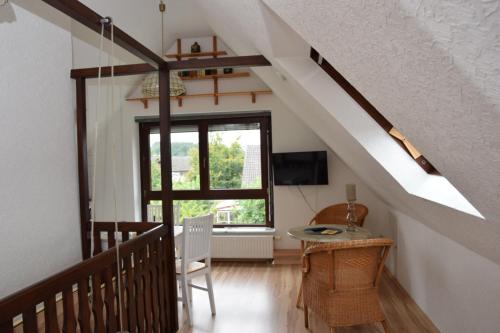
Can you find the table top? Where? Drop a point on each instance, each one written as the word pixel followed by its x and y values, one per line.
pixel 360 233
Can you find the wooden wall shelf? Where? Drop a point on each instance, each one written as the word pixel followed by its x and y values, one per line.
pixel 196 55
pixel 216 76
pixel 215 96
pixel 179 55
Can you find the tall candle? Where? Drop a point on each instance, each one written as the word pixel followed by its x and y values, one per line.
pixel 350 191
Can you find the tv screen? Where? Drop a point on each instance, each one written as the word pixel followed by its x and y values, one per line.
pixel 304 168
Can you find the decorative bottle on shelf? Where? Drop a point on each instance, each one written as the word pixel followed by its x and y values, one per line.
pixel 195 48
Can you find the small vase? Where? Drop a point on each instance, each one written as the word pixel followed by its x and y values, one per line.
pixel 195 48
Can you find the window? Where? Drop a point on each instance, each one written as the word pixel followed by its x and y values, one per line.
pixel 373 112
pixel 219 166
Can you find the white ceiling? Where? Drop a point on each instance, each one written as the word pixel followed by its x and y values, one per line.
pixel 142 19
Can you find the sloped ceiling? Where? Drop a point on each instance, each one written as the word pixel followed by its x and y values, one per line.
pixel 142 19
pixel 431 67
pixel 436 106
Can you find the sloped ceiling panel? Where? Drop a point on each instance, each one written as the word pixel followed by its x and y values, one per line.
pixel 431 67
pixel 258 32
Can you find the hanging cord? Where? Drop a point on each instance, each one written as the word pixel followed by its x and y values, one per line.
pixel 105 21
pixel 305 200
pixel 113 160
pixel 96 137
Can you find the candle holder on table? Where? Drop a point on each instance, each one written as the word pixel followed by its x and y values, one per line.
pixel 352 219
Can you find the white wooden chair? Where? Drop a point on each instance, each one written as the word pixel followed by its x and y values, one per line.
pixel 196 240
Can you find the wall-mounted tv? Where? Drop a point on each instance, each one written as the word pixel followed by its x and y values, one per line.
pixel 302 168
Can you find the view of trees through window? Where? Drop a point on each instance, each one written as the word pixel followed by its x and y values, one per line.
pixel 234 163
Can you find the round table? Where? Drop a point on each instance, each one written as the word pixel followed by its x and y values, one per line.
pixel 360 233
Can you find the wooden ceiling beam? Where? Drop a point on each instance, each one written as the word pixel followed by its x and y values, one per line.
pixel 136 69
pixel 241 61
pixel 86 16
pixel 120 70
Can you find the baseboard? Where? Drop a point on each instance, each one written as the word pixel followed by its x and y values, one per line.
pixel 287 256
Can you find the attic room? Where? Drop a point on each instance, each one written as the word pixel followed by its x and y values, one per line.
pixel 249 166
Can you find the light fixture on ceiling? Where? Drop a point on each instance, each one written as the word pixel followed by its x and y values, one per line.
pixel 151 84
pixel 162 8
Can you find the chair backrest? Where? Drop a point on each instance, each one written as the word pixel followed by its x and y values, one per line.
pixel 196 237
pixel 347 265
pixel 337 214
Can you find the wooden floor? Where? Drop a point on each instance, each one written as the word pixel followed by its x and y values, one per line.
pixel 260 298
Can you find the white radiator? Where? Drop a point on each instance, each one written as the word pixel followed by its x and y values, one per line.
pixel 242 247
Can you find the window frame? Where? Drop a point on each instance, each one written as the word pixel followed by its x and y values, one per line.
pixel 205 193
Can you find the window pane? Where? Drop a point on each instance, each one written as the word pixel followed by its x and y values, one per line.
pixel 244 211
pixel 234 156
pixel 185 158
pixel 154 153
pixel 155 212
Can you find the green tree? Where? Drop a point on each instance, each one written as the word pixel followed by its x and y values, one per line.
pixel 226 163
pixel 181 148
pixel 251 211
pixel 155 173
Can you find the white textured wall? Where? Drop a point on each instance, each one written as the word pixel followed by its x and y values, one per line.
pixel 39 214
pixel 456 287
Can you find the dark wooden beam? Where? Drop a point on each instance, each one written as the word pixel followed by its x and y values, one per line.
pixel 166 196
pixel 136 69
pixel 121 70
pixel 366 105
pixel 83 180
pixel 86 16
pixel 241 61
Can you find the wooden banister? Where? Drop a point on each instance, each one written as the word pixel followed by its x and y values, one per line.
pixel 148 251
pixel 126 226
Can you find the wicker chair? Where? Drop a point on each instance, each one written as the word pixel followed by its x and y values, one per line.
pixel 334 214
pixel 337 214
pixel 341 281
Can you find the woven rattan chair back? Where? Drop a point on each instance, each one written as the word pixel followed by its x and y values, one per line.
pixel 337 214
pixel 341 281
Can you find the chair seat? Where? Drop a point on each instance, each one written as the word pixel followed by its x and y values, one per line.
pixel 192 267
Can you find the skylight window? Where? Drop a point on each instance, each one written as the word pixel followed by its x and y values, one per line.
pixel 373 112
pixel 414 173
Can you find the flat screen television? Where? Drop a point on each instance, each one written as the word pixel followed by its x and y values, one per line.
pixel 303 168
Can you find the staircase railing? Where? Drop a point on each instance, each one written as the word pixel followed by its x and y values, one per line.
pixel 104 233
pixel 84 297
